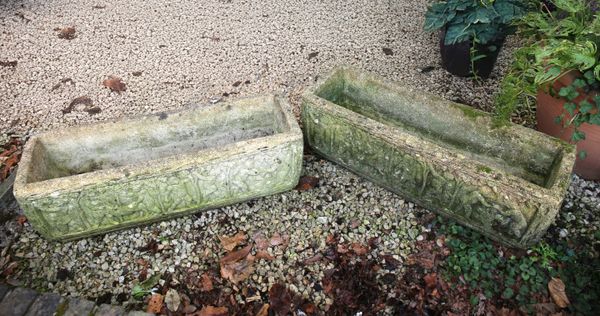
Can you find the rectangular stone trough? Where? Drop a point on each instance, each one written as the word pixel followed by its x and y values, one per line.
pixel 505 182
pixel 93 179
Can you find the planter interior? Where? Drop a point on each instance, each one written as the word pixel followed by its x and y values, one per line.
pixel 535 163
pixel 118 145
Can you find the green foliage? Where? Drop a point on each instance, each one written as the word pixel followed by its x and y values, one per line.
pixel 484 20
pixel 556 43
pixel 484 269
pixel 142 289
pixel 519 280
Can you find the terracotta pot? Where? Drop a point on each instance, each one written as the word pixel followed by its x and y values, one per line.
pixel 549 107
pixel 456 58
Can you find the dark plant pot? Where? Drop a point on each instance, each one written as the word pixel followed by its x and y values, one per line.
pixel 549 107
pixel 456 58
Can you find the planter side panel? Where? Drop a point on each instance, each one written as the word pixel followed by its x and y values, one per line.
pixel 131 201
pixel 426 182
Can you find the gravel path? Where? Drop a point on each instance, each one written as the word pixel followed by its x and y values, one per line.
pixel 170 53
pixel 342 204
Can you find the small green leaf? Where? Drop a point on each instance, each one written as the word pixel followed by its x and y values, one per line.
pixel 474 300
pixel 569 93
pixel 589 76
pixel 585 106
pixel 582 154
pixel 579 83
pixel 595 119
pixel 508 293
pixel 570 107
pixel 577 136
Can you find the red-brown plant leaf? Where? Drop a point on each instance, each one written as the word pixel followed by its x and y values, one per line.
pixel 556 287
pixel 280 299
pixel 114 84
pixel 229 243
pixel 155 304
pixel 306 183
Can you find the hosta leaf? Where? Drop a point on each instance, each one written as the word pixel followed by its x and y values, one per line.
pixel 481 15
pixel 456 34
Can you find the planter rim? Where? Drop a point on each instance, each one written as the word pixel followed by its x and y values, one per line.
pixel 397 136
pixel 291 132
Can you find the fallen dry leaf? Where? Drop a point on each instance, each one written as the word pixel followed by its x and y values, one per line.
pixel 206 284
pixel 306 183
pixel 280 299
pixel 155 304
pixel 314 259
pixel 173 300
pixel 84 100
pixel 21 219
pixel 264 310
pixel 262 243
pixel 276 240
pixel 67 33
pixel 114 84
pixel 430 280
pixel 359 249
pixel 262 254
pixel 236 255
pixel 229 243
pixel 8 164
pixel 213 311
pixel 237 271
pixel 557 292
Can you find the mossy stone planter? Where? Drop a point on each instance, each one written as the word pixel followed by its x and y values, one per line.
pixel 506 182
pixel 93 179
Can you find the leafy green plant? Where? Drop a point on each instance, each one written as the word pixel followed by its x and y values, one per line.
pixel 146 287
pixel 464 20
pixel 556 43
pixel 485 269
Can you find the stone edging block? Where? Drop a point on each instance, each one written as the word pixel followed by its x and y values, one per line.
pixel 93 179
pixel 506 182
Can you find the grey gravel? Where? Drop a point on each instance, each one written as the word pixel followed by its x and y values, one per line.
pixel 355 209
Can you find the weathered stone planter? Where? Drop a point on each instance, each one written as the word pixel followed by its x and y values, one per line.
pixel 506 182
pixel 94 179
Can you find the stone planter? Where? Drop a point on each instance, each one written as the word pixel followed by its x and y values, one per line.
pixel 94 179
pixel 506 182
